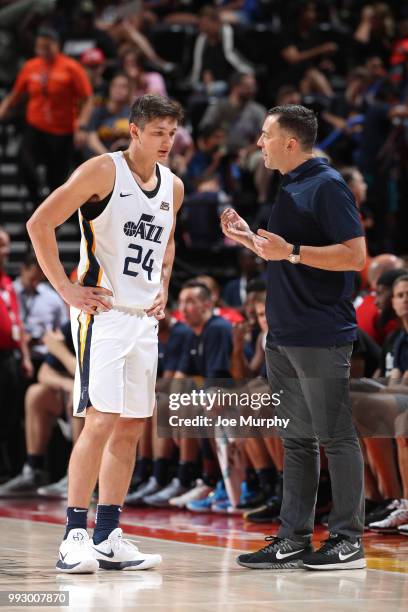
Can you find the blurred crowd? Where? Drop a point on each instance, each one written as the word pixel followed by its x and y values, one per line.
pixel 78 67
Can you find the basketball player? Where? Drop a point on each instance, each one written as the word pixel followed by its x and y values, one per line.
pixel 127 204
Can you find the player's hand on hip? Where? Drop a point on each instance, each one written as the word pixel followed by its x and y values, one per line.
pixel 157 309
pixel 270 246
pixel 88 299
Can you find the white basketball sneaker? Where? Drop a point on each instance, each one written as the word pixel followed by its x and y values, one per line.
pixel 76 555
pixel 116 553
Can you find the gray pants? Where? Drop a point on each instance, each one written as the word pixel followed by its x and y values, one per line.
pixel 315 386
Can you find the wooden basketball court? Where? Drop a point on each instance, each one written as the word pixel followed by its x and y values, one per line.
pixel 198 572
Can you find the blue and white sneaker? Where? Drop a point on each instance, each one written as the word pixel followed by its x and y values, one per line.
pixel 76 555
pixel 116 553
pixel 206 504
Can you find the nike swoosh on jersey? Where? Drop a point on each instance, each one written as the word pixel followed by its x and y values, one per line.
pixel 124 195
pixel 280 555
pixel 79 510
pixel 109 555
pixel 344 557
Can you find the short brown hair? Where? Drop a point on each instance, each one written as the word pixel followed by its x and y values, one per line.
pixel 299 121
pixel 152 106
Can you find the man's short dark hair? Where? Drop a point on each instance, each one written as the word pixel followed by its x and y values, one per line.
pixel 205 293
pixel 152 106
pixel 299 121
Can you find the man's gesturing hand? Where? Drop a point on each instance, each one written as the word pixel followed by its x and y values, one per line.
pixel 234 226
pixel 87 299
pixel 271 246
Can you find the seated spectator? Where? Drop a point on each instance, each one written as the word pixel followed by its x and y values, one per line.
pixel 219 307
pixel 386 412
pixel 214 55
pixel 109 124
pixel 209 159
pixel 12 339
pixel 45 401
pixel 128 23
pixel 141 81
pixel 376 159
pixel 368 315
pixel 238 115
pixel 250 267
pixel 375 32
pixel 206 354
pixel 305 53
pixel 41 308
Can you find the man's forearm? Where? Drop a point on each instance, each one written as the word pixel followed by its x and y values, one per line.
pixel 336 258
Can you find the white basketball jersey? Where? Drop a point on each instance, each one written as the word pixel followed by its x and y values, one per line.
pixel 123 248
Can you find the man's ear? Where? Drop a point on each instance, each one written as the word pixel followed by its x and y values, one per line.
pixel 292 144
pixel 135 131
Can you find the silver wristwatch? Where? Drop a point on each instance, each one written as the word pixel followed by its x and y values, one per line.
pixel 294 257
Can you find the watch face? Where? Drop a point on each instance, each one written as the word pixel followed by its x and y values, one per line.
pixel 294 258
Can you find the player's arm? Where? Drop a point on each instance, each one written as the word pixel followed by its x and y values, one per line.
pixel 158 306
pixel 92 180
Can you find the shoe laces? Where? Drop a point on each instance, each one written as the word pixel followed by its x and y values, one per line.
pixel 121 541
pixel 275 542
pixel 332 544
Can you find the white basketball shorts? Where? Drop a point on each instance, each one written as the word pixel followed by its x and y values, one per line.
pixel 116 362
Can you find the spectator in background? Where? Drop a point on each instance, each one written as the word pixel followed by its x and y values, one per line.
pixel 45 401
pixel 377 160
pixel 83 34
pixel 141 81
pixel 41 308
pixel 366 310
pixel 214 54
pixel 375 32
pixel 235 291
pixel 238 115
pixel 12 339
pixel 94 63
pixel 305 53
pixel 56 86
pixel 109 124
pixel 209 159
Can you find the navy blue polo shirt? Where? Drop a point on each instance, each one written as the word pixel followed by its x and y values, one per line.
pixel 401 352
pixel 306 306
pixel 209 353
